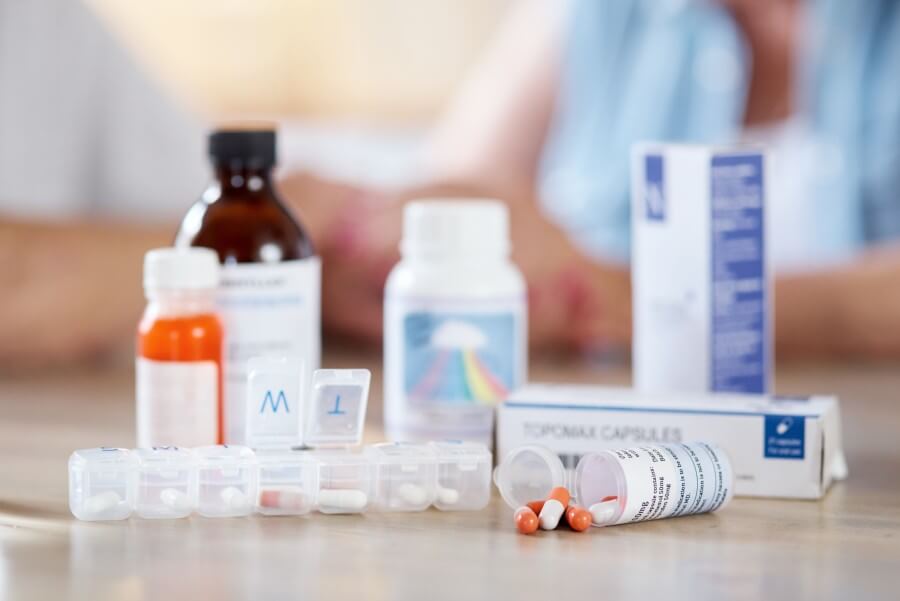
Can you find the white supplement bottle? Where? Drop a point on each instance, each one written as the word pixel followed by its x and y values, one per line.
pixel 454 323
pixel 648 483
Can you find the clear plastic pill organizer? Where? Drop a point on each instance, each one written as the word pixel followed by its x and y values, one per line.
pixel 333 474
pixel 235 481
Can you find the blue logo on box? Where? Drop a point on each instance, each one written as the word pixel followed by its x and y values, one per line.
pixel 654 192
pixel 785 436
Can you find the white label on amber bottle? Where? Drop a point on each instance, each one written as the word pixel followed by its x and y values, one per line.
pixel 267 310
pixel 177 403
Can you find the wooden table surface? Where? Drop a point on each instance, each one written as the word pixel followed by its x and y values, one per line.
pixel 845 546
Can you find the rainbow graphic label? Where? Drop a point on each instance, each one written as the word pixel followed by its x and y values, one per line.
pixel 459 358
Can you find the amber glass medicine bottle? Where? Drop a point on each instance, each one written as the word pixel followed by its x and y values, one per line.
pixel 179 351
pixel 270 278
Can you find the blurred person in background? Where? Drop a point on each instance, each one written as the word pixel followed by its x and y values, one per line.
pixel 547 119
pixel 544 123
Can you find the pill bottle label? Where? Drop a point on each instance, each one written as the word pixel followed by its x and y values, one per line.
pixel 266 310
pixel 446 357
pixel 177 403
pixel 672 480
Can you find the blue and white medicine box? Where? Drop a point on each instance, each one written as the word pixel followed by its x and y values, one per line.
pixel 779 447
pixel 702 305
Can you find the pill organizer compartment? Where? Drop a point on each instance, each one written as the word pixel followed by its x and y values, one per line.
pixel 463 476
pixel 345 481
pixel 288 482
pixel 405 475
pixel 226 481
pixel 101 483
pixel 165 482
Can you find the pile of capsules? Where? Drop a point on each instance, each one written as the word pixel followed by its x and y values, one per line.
pixel 548 513
pixel 231 481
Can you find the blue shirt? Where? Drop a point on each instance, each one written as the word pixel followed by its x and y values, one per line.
pixel 679 70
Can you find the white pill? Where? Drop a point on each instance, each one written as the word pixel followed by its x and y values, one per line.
pixel 174 498
pixel 602 512
pixel 447 496
pixel 342 499
pixel 412 494
pixel 101 503
pixel 551 513
pixel 234 498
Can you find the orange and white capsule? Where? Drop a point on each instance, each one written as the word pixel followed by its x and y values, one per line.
pixel 526 520
pixel 554 508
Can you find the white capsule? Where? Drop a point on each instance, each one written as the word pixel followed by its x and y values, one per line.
pixel 234 498
pixel 412 494
pixel 342 500
pixel 102 502
pixel 174 498
pixel 602 512
pixel 447 496
pixel 551 513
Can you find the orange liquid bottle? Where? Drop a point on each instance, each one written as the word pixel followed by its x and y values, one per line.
pixel 178 373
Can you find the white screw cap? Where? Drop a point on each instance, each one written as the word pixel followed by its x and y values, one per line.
pixel 181 269
pixel 434 228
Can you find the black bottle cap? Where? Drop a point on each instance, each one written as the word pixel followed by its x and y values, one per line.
pixel 248 147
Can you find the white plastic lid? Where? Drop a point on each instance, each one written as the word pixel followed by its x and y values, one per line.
pixel 448 227
pixel 528 473
pixel 337 407
pixel 274 411
pixel 190 268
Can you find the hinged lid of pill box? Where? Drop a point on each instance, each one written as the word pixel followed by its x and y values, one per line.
pixel 460 451
pixel 102 458
pixel 276 387
pixel 336 411
pixel 224 454
pixel 165 457
pixel 285 457
pixel 402 453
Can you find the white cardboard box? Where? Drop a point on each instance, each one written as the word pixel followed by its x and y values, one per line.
pixel 702 306
pixel 779 447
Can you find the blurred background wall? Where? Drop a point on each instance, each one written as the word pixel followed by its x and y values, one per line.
pixel 385 61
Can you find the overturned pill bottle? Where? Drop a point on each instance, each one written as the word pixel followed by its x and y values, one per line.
pixel 455 322
pixel 621 486
pixel 649 483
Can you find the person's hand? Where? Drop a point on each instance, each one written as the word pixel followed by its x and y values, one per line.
pixel 335 215
pixel 573 301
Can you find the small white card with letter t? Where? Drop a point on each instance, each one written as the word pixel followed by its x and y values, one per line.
pixel 276 388
pixel 337 407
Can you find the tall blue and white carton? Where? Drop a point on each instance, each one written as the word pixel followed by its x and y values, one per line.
pixel 702 293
